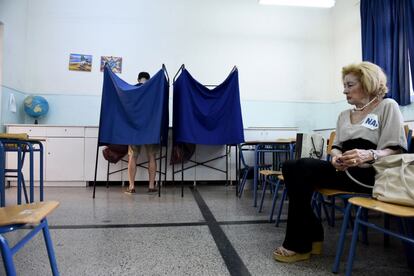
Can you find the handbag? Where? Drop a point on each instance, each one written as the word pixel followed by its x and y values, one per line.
pixel 182 153
pixel 310 145
pixel 394 181
pixel 114 153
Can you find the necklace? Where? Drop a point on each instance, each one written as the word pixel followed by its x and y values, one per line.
pixel 362 108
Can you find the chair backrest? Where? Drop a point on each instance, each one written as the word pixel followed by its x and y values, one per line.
pixel 330 143
pixel 409 135
pixel 406 129
pixel 243 161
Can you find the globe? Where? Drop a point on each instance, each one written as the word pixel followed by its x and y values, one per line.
pixel 35 106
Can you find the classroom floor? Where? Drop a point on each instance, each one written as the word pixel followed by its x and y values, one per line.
pixel 209 231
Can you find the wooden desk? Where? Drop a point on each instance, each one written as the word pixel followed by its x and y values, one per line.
pixel 262 147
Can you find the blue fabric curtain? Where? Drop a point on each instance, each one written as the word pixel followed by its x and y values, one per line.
pixel 133 115
pixel 409 15
pixel 204 116
pixel 386 28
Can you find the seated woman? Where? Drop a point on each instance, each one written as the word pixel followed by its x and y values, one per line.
pixel 371 130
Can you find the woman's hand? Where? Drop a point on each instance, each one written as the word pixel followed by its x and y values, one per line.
pixel 355 157
pixel 337 163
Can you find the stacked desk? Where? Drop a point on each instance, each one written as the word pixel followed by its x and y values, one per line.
pixel 21 144
pixel 278 146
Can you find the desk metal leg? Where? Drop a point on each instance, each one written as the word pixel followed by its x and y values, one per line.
pixel 227 165
pixel 96 170
pixel 256 160
pixel 182 171
pixel 19 176
pixel 107 175
pixel 2 178
pixel 26 198
pixel 173 173
pixel 237 170
pixel 23 182
pixel 31 174
pixel 41 183
pixel 165 165
pixel 160 171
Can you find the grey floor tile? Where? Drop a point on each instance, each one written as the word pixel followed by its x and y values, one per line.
pixel 227 207
pixel 113 206
pixel 255 243
pixel 140 251
pixel 119 234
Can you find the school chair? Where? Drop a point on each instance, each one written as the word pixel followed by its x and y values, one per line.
pixel 364 216
pixel 247 170
pixel 16 217
pixel 281 202
pixel 363 203
pixel 275 179
pixel 270 177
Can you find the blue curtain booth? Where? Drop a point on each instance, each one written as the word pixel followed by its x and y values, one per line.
pixel 387 35
pixel 204 116
pixel 409 14
pixel 134 115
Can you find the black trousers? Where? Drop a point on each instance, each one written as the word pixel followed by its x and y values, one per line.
pixel 301 178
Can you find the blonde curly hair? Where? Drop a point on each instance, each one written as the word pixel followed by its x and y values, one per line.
pixel 371 77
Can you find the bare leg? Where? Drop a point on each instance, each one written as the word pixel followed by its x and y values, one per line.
pixel 152 169
pixel 132 170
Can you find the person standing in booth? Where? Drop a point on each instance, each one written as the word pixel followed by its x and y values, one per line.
pixel 134 151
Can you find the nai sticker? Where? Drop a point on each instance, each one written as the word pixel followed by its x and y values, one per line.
pixel 371 121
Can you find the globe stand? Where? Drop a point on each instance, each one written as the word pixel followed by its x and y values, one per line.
pixel 36 122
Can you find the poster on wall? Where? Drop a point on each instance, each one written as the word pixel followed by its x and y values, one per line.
pixel 80 62
pixel 115 63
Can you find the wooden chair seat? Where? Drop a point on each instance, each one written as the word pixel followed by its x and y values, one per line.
pixel 384 207
pixel 333 192
pixel 270 172
pixel 14 136
pixel 13 218
pixel 286 140
pixel 26 214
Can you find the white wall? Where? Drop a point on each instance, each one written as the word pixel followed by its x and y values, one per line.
pixel 346 37
pixel 289 58
pixel 277 49
pixel 1 64
pixel 13 16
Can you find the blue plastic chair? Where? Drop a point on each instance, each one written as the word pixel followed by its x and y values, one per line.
pixel 15 217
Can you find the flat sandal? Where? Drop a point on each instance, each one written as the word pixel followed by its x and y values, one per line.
pixel 130 191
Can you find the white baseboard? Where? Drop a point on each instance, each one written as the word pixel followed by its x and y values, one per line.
pixel 55 183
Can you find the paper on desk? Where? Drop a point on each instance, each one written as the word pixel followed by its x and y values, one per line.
pixel 12 104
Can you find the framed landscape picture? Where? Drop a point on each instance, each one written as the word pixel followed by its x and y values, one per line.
pixel 115 63
pixel 80 62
